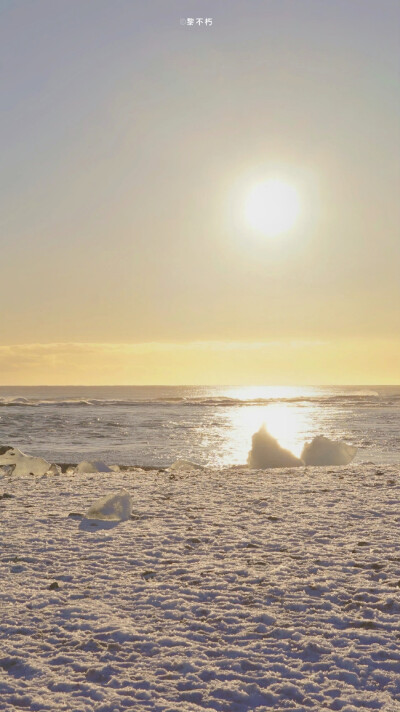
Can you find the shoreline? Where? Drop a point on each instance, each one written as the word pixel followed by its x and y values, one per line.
pixel 122 468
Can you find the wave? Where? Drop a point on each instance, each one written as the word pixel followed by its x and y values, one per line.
pixel 361 398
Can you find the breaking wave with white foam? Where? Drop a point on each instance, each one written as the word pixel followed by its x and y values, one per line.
pixel 371 398
pixel 155 426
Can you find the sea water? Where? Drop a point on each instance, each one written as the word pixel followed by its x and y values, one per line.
pixel 156 425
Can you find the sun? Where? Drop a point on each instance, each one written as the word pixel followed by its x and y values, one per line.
pixel 272 207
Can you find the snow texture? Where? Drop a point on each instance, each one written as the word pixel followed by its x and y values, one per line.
pixel 322 451
pixel 21 464
pixel 266 452
pixel 231 590
pixel 113 507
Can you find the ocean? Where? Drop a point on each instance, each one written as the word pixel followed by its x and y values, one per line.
pixel 156 425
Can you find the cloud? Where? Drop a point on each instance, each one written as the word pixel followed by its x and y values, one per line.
pixel 141 363
pixel 207 362
pixel 266 452
pixel 322 451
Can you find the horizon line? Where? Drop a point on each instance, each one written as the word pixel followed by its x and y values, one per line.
pixel 198 385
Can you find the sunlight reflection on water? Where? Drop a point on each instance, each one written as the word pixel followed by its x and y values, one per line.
pixel 289 424
pixel 153 426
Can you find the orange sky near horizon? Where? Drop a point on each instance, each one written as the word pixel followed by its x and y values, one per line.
pixel 204 363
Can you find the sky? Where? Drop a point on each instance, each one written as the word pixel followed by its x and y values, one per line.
pixel 129 142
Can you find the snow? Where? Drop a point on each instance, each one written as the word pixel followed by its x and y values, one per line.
pixel 266 452
pixel 228 590
pixel 322 451
pixel 113 507
pixel 22 464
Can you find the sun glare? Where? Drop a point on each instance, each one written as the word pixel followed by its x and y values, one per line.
pixel 289 424
pixel 272 207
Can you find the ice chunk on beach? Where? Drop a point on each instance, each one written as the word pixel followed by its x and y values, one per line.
pixel 322 451
pixel 113 508
pixel 185 465
pixel 54 470
pixel 267 453
pixel 23 464
pixel 87 467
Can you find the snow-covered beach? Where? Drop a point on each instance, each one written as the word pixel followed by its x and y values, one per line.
pixel 228 590
pixel 200 356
